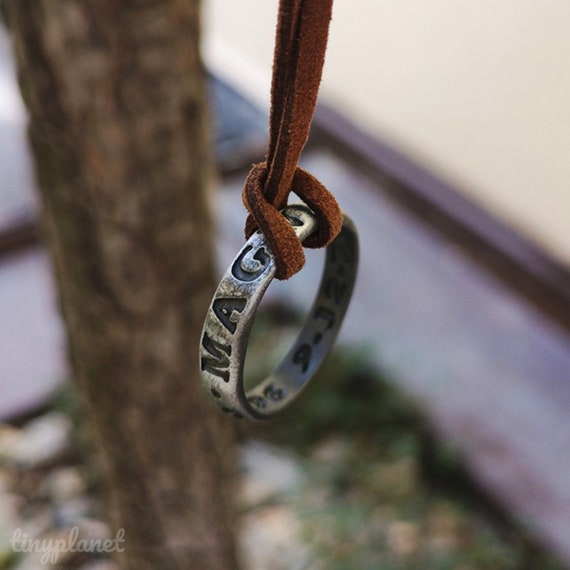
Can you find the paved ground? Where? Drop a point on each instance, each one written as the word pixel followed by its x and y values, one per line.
pixel 16 184
pixel 32 359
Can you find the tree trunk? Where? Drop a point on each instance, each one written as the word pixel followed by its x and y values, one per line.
pixel 116 96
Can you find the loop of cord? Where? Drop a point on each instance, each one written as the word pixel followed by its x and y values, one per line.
pixel 302 32
pixel 285 245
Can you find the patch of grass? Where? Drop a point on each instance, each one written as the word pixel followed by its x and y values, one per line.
pixel 383 492
pixel 347 397
pixel 8 559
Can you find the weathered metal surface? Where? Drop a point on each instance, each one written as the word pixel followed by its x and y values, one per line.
pixel 225 336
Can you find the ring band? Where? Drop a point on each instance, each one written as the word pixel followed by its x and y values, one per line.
pixel 229 319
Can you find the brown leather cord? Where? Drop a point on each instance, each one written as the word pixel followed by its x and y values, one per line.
pixel 300 46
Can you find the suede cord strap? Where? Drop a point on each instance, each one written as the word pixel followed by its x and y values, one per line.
pixel 300 45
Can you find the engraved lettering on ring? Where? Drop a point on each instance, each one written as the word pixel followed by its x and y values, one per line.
pixel 218 363
pixel 224 308
pixel 302 356
pixel 248 267
pixel 258 402
pixel 326 315
pixel 233 412
pixel 274 393
pixel 295 221
pixel 341 251
pixel 335 290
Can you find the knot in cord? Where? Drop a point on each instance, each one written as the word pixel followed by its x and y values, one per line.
pixel 300 45
pixel 285 245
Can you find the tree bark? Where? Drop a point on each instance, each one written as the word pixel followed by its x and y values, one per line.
pixel 118 124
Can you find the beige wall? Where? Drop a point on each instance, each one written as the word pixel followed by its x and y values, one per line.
pixel 477 91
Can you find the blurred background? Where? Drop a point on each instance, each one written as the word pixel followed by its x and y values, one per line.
pixel 477 92
pixel 437 437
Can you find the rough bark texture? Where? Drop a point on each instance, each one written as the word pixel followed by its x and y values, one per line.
pixel 116 97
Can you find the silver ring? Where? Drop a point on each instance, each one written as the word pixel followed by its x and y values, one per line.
pixel 229 319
